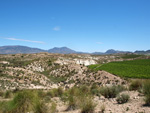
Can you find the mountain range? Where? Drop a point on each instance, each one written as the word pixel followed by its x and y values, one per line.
pixel 62 50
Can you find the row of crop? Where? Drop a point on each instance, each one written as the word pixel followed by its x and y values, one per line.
pixel 131 69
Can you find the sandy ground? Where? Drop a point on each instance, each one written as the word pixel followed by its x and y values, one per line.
pixel 134 105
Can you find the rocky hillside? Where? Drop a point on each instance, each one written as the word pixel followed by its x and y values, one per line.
pixel 45 70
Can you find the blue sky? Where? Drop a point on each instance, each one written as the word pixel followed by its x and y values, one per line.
pixel 82 25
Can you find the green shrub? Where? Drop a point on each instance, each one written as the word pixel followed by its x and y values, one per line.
pixel 123 98
pixel 56 92
pixel 72 102
pixel 95 90
pixel 147 100
pixel 87 105
pixel 94 86
pixel 65 96
pixel 146 91
pixel 135 85
pixel 74 91
pixel 1 93
pixel 72 99
pixel 84 89
pixel 53 107
pixel 146 87
pixel 120 88
pixel 23 102
pixel 2 106
pixel 41 93
pixel 80 97
pixel 60 91
pixel 47 99
pixel 110 92
pixel 8 94
pixel 51 93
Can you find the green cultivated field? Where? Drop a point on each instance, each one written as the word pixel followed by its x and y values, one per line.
pixel 129 69
pixel 127 56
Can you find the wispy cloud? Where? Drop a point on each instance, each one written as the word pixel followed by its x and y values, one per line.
pixel 25 40
pixel 99 42
pixel 56 28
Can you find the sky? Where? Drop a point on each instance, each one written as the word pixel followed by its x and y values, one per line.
pixel 82 25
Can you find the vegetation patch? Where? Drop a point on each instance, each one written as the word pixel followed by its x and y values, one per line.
pixel 80 97
pixel 123 98
pixel 135 85
pixel 130 69
pixel 23 102
pixel 94 66
pixel 87 105
pixel 146 91
pixel 128 56
pixel 8 94
pixel 110 92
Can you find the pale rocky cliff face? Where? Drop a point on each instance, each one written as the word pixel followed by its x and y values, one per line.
pixel 85 62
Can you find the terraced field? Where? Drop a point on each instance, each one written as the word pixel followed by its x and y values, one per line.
pixel 130 69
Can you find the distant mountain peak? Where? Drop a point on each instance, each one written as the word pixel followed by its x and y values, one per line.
pixel 111 51
pixel 63 50
pixel 14 49
pixel 142 52
pixel 19 49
